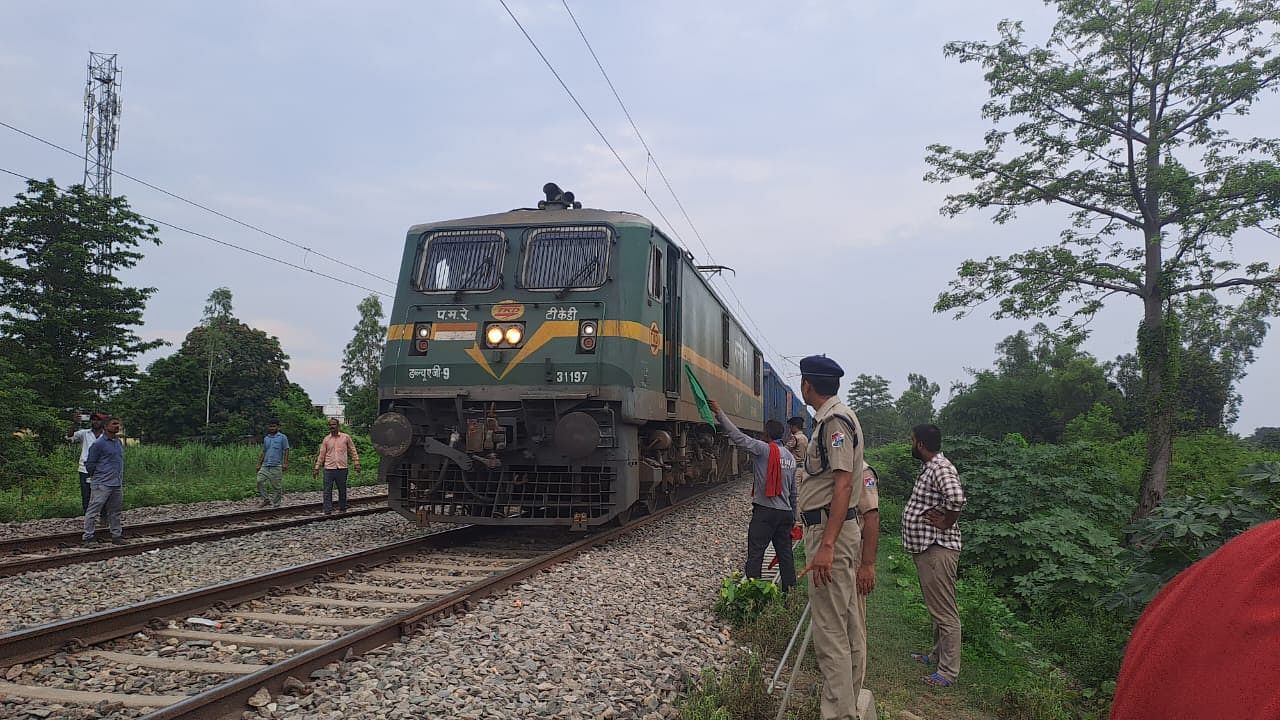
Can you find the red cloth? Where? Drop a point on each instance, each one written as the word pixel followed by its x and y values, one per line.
pixel 1208 646
pixel 773 475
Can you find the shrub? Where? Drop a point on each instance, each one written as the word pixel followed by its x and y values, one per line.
pixel 742 600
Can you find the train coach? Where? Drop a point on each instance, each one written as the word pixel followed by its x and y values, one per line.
pixel 781 403
pixel 535 370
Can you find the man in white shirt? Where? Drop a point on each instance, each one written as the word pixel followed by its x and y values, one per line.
pixel 86 438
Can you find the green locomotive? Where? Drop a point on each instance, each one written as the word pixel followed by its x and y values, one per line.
pixel 534 370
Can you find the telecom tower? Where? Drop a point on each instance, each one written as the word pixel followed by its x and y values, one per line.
pixel 101 121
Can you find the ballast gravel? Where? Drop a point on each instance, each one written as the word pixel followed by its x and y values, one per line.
pixel 48 595
pixel 177 511
pixel 616 633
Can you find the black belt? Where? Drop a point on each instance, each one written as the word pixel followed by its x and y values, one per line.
pixel 814 517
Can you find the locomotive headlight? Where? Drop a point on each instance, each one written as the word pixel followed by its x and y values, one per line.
pixel 514 335
pixel 423 332
pixel 421 339
pixel 587 332
pixel 493 335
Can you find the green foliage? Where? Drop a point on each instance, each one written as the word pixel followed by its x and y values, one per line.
pixel 1266 438
pixel 1118 117
pixel 66 319
pixel 299 419
pixel 1182 530
pixel 743 599
pixel 168 403
pixel 736 694
pixel 1085 641
pixel 897 470
pixel 1041 383
pixel 361 363
pixel 161 475
pixel 28 431
pixel 1097 425
pixel 915 405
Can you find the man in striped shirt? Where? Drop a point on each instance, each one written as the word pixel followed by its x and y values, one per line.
pixel 931 535
pixel 333 456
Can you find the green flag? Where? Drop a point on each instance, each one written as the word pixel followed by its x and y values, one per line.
pixel 700 396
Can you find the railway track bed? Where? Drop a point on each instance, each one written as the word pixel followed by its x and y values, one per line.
pixel 41 552
pixel 276 628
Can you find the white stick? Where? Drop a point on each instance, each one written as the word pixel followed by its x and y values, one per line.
pixel 786 694
pixel 773 682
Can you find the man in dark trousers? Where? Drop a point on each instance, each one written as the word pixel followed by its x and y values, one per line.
pixel 773 497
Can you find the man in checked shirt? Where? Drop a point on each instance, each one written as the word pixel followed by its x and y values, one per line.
pixel 931 535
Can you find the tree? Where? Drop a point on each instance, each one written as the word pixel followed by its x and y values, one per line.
pixel 362 363
pixel 217 313
pixel 881 422
pixel 1267 438
pixel 28 430
pixel 915 405
pixel 167 402
pixel 1118 117
pixel 66 318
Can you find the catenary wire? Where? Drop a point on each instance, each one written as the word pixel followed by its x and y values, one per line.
pixel 206 208
pixel 225 243
pixel 658 166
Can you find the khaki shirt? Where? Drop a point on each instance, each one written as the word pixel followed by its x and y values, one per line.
pixel 844 452
pixel 798 444
pixel 870 499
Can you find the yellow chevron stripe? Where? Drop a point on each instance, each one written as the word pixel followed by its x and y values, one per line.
pixel 400 332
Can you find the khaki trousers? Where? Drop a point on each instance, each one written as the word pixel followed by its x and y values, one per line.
pixel 839 631
pixel 937 569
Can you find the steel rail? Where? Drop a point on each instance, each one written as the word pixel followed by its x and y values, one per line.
pixel 17 566
pixel 69 539
pixel 80 632
pixel 230 699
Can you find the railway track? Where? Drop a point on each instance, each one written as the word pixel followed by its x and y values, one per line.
pixel 275 628
pixel 41 552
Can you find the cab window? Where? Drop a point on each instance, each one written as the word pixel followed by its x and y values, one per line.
pixel 655 273
pixel 564 258
pixel 461 260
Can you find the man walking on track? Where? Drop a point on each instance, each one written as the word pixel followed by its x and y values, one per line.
pixel 773 498
pixel 332 457
pixel 272 465
pixel 931 535
pixel 105 465
pixel 829 499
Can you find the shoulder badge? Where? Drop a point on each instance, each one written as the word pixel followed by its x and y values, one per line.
pixel 870 482
pixel 837 439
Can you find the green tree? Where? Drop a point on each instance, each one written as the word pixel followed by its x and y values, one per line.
pixel 915 404
pixel 28 429
pixel 217 314
pixel 870 398
pixel 1267 438
pixel 66 318
pixel 361 364
pixel 1097 425
pixel 167 402
pixel 1119 117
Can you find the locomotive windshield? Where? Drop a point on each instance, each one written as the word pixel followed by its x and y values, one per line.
pixel 465 260
pixel 567 257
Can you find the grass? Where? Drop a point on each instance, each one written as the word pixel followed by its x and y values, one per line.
pixel 1000 677
pixel 161 475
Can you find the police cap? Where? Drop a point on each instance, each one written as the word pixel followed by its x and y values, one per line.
pixel 821 366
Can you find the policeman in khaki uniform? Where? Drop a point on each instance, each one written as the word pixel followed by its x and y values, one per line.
pixel 829 500
pixel 869 522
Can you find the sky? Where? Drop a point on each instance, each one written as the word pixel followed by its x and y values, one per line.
pixel 793 134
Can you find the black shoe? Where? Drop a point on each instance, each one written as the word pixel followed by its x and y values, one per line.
pixel 328 512
pixel 118 541
pixel 91 542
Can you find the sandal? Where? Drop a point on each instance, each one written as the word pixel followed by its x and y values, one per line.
pixel 922 658
pixel 937 681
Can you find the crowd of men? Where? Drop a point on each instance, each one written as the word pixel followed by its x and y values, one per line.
pixel 102 471
pixel 806 486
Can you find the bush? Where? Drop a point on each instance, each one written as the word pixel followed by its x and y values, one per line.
pixel 742 599
pixel 898 470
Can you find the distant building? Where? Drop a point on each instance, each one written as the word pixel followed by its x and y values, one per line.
pixel 333 409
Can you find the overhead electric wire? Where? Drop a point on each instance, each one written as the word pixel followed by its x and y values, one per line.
pixel 225 243
pixel 206 208
pixel 657 166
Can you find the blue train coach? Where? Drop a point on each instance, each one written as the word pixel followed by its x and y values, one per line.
pixel 781 402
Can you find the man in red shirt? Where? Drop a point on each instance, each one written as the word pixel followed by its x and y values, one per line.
pixel 333 456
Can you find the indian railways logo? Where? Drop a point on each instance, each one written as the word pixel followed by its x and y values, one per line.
pixel 655 338
pixel 508 310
